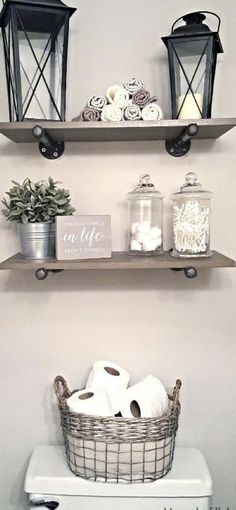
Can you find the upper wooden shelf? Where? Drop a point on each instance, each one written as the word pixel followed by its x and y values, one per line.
pixel 115 131
pixel 120 260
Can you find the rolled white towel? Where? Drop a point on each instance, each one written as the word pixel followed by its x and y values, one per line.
pixel 97 102
pixel 132 112
pixel 118 95
pixel 134 85
pixel 152 111
pixel 111 113
pixel 129 103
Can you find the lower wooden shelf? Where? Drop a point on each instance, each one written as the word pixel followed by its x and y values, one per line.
pixel 119 260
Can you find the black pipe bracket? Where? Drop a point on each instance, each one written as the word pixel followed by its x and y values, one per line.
pixel 190 272
pixel 180 146
pixel 42 273
pixel 47 146
pixel 51 505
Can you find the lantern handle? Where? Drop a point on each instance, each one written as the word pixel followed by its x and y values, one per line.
pixel 201 12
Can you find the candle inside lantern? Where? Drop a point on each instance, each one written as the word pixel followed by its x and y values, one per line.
pixel 189 109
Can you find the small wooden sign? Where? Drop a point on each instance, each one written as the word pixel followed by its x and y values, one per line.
pixel 83 237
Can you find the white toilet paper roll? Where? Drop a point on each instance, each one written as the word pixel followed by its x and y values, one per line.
pixel 89 401
pixel 159 391
pixel 111 377
pixel 146 399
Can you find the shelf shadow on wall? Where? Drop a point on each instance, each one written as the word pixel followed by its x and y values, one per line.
pixel 91 149
pixel 161 280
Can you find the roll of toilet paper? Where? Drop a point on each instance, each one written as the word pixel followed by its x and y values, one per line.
pixel 146 399
pixel 159 391
pixel 90 401
pixel 111 377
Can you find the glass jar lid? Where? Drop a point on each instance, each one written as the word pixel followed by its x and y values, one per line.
pixel 192 188
pixel 144 189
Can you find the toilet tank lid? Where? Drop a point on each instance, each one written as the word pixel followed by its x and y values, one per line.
pixel 48 474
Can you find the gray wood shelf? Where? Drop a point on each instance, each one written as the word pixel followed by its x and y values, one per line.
pixel 120 260
pixel 21 132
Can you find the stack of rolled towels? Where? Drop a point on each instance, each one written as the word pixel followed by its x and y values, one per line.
pixel 107 394
pixel 129 101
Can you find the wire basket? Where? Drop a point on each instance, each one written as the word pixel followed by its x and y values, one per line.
pixel 117 449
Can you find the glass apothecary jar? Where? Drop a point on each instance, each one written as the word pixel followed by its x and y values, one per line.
pixel 191 219
pixel 145 218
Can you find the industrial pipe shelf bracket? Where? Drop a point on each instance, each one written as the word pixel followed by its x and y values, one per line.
pixel 47 146
pixel 42 272
pixel 181 145
pixel 51 505
pixel 190 272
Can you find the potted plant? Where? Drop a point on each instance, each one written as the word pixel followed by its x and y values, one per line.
pixel 34 206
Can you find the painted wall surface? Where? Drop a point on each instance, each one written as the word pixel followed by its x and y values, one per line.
pixel 148 321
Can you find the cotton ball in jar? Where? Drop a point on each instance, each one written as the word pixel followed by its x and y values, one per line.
pixel 134 227
pixel 155 232
pixel 158 242
pixel 150 244
pixel 140 237
pixel 144 227
pixel 135 246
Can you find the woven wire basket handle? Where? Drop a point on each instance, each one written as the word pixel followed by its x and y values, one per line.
pixel 61 389
pixel 175 397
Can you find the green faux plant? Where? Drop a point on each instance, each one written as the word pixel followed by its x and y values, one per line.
pixel 36 202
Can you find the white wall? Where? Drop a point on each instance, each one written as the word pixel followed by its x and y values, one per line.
pixel 154 321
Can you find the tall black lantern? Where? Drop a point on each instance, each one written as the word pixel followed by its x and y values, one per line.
pixel 35 40
pixel 192 51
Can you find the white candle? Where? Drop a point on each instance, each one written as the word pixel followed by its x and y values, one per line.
pixel 189 109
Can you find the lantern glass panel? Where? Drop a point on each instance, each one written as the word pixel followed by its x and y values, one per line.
pixel 49 59
pixel 40 54
pixel 35 45
pixel 190 75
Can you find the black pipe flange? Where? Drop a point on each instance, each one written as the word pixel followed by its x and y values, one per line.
pixel 47 146
pixel 181 145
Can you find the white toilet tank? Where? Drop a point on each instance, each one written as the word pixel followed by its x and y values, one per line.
pixel 50 484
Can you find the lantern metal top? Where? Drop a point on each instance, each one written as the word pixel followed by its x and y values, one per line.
pixel 194 27
pixel 45 3
pixel 56 4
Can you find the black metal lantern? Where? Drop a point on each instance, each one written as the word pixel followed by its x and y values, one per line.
pixel 192 51
pixel 35 40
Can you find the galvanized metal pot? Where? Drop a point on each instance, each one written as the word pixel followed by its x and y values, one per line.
pixel 37 240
